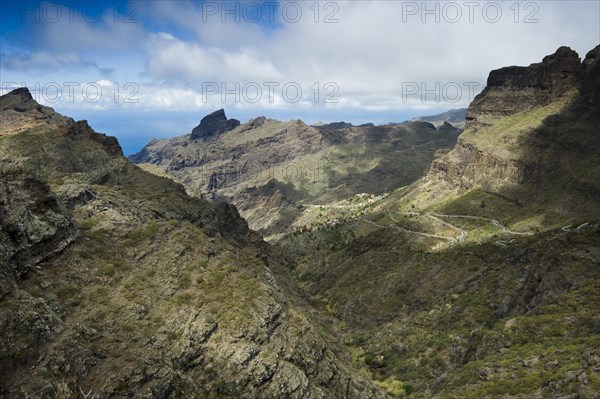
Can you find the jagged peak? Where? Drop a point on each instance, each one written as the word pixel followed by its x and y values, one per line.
pixel 561 53
pixel 22 92
pixel 298 122
pixel 259 121
pixel 214 124
pixel 253 124
pixel 20 111
pixel 447 126
pixel 218 114
pixel 17 98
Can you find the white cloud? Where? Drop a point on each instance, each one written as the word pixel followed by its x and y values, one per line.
pixel 173 59
pixel 371 53
pixel 374 53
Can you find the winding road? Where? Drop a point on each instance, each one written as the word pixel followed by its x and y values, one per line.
pixel 402 229
pixel 568 228
pixel 437 217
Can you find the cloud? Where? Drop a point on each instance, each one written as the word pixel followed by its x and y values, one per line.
pixel 374 50
pixel 42 61
pixel 379 55
pixel 172 59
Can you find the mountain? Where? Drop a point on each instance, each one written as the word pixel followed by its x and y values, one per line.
pixel 272 170
pixel 454 117
pixel 475 277
pixel 115 283
pixel 480 279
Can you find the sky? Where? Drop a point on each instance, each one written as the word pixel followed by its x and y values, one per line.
pixel 143 69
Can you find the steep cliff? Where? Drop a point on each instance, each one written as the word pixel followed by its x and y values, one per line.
pixel 530 136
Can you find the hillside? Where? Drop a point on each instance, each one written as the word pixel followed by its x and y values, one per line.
pixel 408 262
pixel 115 283
pixel 272 170
pixel 481 279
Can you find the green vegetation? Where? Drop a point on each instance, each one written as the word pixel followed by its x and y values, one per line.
pixel 480 318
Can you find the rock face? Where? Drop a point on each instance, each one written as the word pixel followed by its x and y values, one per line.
pixel 515 89
pixel 115 283
pixel 508 125
pixel 35 223
pixel 213 125
pixel 556 71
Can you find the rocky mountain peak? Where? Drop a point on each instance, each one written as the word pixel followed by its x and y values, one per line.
pixel 20 111
pixel 447 126
pixel 213 125
pixel 554 72
pixel 536 107
pixel 517 88
pixel 19 100
pixel 20 94
pixel 561 55
pixel 253 124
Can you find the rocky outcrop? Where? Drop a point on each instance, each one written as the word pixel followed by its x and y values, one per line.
pixel 554 73
pixel 20 112
pixel 515 89
pixel 509 125
pixel 35 224
pixel 214 124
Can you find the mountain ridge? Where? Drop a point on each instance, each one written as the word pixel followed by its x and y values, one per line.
pixel 308 164
pixel 456 117
pixel 115 282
